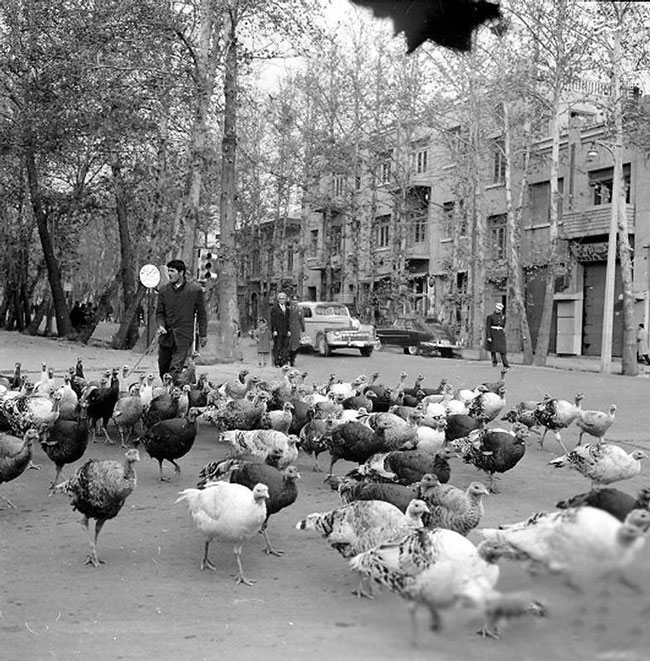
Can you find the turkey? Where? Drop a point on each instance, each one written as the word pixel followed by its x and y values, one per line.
pixel 101 403
pixel 487 405
pixel 24 411
pixel 495 386
pixel 555 414
pixel 12 381
pixel 408 466
pixel 353 441
pixel 170 440
pixel 615 502
pixel 344 390
pixel 163 406
pixel 230 512
pixel 69 404
pixel 602 462
pixel 237 388
pixel 128 413
pixel 391 562
pixel 281 420
pixel 581 543
pixel 314 438
pixel 460 425
pixel 15 457
pixel 469 583
pixel 46 385
pixel 493 450
pixel 98 490
pixel 242 414
pixel 595 423
pixel 361 525
pixel 261 442
pixel 283 489
pixel 66 441
pixel 395 494
pixel 455 509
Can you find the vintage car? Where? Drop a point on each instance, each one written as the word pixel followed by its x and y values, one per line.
pixel 329 326
pixel 420 336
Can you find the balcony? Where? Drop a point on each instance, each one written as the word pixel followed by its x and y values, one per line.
pixel 315 259
pixel 419 250
pixel 593 221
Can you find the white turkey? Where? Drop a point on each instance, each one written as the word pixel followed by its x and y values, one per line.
pixel 230 512
pixel 582 543
pixel 595 423
pixel 602 463
pixel 555 414
pixel 361 525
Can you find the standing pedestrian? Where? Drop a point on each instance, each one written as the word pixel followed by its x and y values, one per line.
pixel 297 327
pixel 180 302
pixel 495 335
pixel 642 345
pixel 263 339
pixel 280 330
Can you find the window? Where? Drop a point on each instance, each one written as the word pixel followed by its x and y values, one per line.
pixel 313 243
pixel 499 161
pixel 497 234
pixel 418 230
pixel 419 161
pixel 447 225
pixel 602 181
pixel 290 258
pixel 382 231
pixel 336 235
pixel 339 185
pixel 453 214
pixel 385 167
pixel 540 202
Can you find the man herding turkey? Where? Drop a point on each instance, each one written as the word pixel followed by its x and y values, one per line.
pixel 179 303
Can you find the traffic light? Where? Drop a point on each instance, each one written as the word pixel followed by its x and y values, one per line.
pixel 207 265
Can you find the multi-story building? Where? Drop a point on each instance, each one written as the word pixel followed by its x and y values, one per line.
pixel 400 237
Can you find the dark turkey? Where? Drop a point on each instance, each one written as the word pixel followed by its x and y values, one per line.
pixel 170 440
pixel 617 503
pixel 493 450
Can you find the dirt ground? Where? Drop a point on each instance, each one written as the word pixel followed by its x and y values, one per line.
pixel 150 600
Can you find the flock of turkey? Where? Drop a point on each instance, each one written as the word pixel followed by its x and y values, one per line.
pixel 399 520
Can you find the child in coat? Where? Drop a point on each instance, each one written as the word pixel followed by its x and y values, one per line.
pixel 263 337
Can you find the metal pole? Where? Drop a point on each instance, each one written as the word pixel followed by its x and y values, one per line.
pixel 610 274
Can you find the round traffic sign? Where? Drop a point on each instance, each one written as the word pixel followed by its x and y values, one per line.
pixel 150 275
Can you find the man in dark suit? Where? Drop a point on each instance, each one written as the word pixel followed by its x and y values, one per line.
pixel 495 335
pixel 281 330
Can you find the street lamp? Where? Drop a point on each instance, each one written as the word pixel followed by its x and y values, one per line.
pixel 610 273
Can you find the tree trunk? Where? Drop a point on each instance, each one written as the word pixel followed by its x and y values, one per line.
pixel 40 313
pixel 103 305
pixel 62 313
pixel 227 348
pixel 630 366
pixel 516 301
pixel 127 258
pixel 544 336
pixel 130 316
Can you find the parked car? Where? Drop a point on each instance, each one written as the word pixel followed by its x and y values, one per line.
pixel 329 326
pixel 420 336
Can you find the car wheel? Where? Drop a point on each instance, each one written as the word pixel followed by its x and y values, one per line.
pixel 323 347
pixel 412 350
pixel 366 352
pixel 446 353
